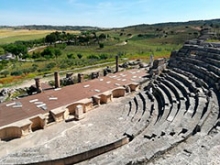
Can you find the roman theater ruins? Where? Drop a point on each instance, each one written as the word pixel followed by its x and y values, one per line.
pixel 164 113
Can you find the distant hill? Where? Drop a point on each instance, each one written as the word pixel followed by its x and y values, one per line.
pixel 51 27
pixel 212 22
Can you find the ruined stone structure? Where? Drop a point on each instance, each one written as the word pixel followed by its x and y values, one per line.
pixel 173 119
pixel 158 66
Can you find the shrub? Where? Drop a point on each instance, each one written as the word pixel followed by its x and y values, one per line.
pixel 16 73
pixel 69 56
pixel 48 52
pixel 101 45
pixel 79 55
pixel 36 55
pixel 103 56
pixel 92 56
pixel 51 65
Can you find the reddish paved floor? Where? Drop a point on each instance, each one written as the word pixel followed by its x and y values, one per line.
pixel 66 95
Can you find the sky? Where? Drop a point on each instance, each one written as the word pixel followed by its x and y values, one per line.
pixel 105 13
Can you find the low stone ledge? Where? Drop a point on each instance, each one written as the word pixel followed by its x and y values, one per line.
pixel 96 100
pixel 87 104
pixel 118 92
pixel 134 86
pixel 38 122
pixel 16 130
pixel 58 114
pixel 105 97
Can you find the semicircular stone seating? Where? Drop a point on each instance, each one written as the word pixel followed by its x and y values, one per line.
pixel 185 99
pixel 176 104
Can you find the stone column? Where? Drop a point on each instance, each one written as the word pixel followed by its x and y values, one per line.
pixel 116 63
pixel 57 79
pixel 80 78
pixel 38 85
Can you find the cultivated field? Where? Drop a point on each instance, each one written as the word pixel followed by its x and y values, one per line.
pixel 10 35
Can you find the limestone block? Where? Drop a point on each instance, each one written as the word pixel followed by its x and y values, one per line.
pixel 119 92
pixel 134 86
pixel 79 112
pixel 105 97
pixel 58 114
pixel 10 132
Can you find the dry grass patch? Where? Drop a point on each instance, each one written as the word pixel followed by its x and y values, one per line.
pixel 10 35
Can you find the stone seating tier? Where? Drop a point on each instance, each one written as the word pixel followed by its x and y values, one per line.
pixel 206 67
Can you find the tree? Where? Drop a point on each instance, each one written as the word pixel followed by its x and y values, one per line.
pixel 48 52
pixel 102 36
pixel 51 38
pixel 16 49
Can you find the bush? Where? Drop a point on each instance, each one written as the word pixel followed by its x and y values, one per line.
pixel 25 56
pixel 48 52
pixel 69 56
pixel 16 73
pixel 50 65
pixel 103 56
pixel 29 70
pixel 36 55
pixel 92 56
pixel 79 55
pixel 101 45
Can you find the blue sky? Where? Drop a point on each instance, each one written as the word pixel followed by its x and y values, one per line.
pixel 103 13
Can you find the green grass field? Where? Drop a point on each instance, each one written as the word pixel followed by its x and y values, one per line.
pixel 130 43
